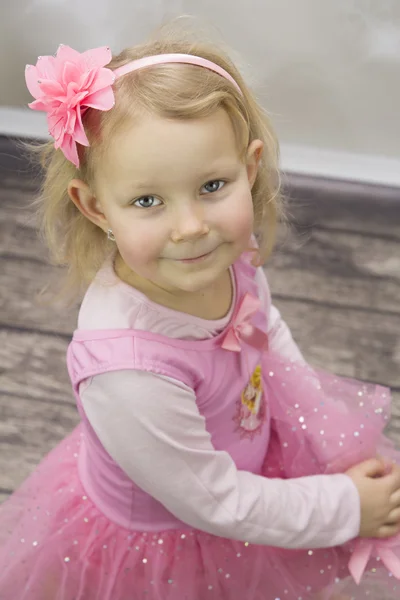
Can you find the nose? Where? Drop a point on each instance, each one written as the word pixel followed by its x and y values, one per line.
pixel 189 222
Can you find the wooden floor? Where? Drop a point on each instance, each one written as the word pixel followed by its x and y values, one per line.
pixel 336 279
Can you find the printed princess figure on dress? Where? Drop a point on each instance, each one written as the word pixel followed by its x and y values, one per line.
pixel 211 462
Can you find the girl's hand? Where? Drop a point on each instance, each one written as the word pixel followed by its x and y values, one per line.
pixel 379 488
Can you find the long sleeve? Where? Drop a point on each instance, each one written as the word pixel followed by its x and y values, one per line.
pixel 279 334
pixel 152 428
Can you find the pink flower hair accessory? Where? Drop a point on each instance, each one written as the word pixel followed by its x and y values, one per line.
pixel 65 86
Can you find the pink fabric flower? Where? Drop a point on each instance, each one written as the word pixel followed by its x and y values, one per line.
pixel 64 87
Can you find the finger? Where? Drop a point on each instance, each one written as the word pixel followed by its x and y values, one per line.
pixel 393 479
pixel 395 499
pixel 372 467
pixel 393 517
pixel 394 467
pixel 390 465
pixel 387 531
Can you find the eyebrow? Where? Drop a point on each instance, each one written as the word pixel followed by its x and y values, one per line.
pixel 215 171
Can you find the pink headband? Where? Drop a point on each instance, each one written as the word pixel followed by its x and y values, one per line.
pixel 66 85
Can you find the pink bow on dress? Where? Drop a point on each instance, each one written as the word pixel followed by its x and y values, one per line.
pixel 242 329
pixel 382 548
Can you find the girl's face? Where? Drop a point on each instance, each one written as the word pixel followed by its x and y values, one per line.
pixel 178 199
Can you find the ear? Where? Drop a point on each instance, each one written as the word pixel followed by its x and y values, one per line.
pixel 253 157
pixel 85 201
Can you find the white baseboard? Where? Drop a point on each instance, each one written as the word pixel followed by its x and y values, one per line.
pixel 22 123
pixel 296 159
pixel 346 166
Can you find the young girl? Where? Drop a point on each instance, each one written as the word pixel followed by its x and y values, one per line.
pixel 211 463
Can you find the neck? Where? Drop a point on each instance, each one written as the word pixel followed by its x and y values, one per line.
pixel 212 303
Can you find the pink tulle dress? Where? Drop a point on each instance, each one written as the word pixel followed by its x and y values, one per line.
pixel 70 532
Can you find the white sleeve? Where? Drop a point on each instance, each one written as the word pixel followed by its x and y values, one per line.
pixel 279 335
pixel 151 427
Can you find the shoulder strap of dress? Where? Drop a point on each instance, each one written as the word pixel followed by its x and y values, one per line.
pixel 122 350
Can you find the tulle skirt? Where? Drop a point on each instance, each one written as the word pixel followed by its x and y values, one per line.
pixel 55 544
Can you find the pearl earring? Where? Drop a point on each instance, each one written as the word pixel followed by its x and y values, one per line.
pixel 110 235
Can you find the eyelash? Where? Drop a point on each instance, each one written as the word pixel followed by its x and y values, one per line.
pixel 135 203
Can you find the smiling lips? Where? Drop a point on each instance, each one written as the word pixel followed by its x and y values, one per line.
pixel 196 258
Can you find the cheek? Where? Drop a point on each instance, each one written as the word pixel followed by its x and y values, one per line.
pixel 239 218
pixel 140 244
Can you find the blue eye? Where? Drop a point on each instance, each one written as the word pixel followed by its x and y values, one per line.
pixel 147 202
pixel 213 186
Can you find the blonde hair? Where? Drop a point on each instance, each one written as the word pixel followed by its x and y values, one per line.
pixel 176 91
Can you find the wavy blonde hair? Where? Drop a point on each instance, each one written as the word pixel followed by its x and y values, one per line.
pixel 173 91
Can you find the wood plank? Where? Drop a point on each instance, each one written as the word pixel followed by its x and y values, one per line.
pixel 346 341
pixel 343 205
pixel 18 231
pixel 3 495
pixel 37 361
pixel 19 237
pixel 339 268
pixel 12 181
pixel 393 429
pixel 15 164
pixel 29 429
pixel 21 281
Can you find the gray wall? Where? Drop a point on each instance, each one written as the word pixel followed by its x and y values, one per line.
pixel 328 70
